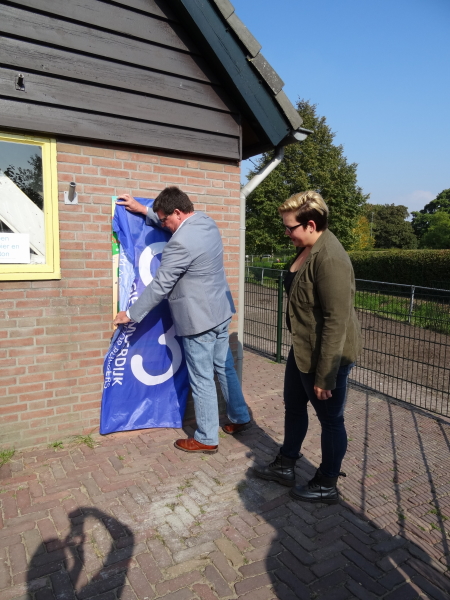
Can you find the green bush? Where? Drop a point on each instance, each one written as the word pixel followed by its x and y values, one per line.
pixel 428 268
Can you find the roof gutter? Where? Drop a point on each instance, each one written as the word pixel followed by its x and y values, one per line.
pixel 295 136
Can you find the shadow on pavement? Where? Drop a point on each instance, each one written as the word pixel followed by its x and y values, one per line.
pixel 315 551
pixel 66 561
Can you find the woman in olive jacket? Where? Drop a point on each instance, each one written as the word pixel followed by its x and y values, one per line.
pixel 326 340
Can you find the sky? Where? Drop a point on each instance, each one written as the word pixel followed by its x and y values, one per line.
pixel 379 71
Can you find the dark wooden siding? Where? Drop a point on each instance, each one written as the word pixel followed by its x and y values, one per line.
pixel 115 71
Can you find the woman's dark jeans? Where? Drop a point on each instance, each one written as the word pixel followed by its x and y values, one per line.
pixel 298 391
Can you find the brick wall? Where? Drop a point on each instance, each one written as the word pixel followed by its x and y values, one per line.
pixel 55 333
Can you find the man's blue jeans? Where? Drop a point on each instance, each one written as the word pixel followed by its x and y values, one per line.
pixel 206 353
pixel 298 391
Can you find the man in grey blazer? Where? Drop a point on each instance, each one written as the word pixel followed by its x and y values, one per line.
pixel 192 277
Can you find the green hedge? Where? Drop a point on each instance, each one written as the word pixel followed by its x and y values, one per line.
pixel 428 268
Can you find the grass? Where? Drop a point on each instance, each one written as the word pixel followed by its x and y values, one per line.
pixel 187 484
pixel 87 440
pixel 268 282
pixel 6 456
pixel 437 513
pixel 56 445
pixel 425 314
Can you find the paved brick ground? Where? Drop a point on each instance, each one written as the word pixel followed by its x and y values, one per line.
pixel 135 518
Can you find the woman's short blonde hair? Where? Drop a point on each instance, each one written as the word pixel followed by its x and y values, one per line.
pixel 308 206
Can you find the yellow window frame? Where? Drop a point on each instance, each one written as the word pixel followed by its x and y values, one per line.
pixel 51 268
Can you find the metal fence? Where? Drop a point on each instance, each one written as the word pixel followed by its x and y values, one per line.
pixel 406 331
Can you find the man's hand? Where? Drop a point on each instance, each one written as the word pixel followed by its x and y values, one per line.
pixel 322 394
pixel 121 318
pixel 131 204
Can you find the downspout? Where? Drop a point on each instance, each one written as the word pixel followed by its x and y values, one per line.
pixel 245 191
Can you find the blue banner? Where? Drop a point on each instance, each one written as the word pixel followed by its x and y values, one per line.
pixel 145 376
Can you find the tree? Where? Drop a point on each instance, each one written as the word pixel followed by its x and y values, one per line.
pixel 315 164
pixel 390 227
pixel 362 234
pixel 421 219
pixel 29 180
pixel 438 234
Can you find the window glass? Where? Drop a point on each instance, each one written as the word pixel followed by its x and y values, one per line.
pixel 21 204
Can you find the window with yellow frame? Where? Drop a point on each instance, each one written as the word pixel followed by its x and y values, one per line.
pixel 29 233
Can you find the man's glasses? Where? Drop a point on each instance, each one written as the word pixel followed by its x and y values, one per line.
pixel 164 219
pixel 291 229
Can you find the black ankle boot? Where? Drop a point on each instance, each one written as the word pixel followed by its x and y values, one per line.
pixel 280 470
pixel 319 489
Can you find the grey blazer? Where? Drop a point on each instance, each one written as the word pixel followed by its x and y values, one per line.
pixel 191 276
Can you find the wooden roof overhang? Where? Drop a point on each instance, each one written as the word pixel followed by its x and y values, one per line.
pixel 268 117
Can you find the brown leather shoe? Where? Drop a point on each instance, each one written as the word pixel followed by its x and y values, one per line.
pixel 191 445
pixel 233 428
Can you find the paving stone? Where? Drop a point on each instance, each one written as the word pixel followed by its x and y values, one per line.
pixel 301 538
pixel 393 559
pixel 221 563
pixel 284 592
pixel 329 565
pixel 264 551
pixel 338 593
pixel 359 591
pixel 390 545
pixel 367 582
pixel 259 594
pixel 204 592
pixel 253 583
pixel 194 552
pixel 363 563
pixel 259 567
pixel 201 543
pixel 300 571
pixel 394 578
pixel 430 573
pixel 230 551
pixel 406 591
pixel 220 585
pixel 184 580
pixel 149 567
pixel 426 586
pixel 287 577
pixel 334 579
pixel 183 594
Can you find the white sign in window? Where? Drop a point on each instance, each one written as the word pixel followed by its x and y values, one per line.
pixel 14 248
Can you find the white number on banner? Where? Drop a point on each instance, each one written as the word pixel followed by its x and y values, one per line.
pixel 145 260
pixel 137 367
pixel 167 338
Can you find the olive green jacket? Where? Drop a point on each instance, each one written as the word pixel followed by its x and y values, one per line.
pixel 325 330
